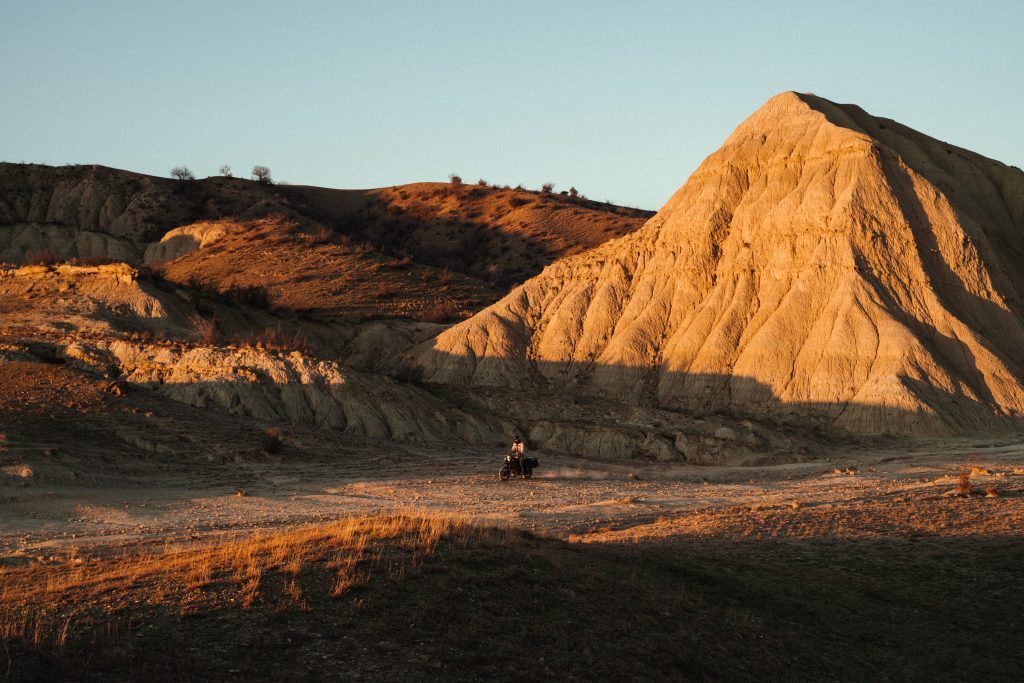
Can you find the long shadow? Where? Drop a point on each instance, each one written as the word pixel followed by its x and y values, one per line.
pixel 498 608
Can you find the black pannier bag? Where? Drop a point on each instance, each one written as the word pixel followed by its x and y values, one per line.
pixel 531 462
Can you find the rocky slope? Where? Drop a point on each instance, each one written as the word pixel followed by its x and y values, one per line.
pixel 114 326
pixel 824 266
pixel 109 322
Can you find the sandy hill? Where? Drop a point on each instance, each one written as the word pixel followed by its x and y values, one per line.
pixel 823 266
pixel 451 249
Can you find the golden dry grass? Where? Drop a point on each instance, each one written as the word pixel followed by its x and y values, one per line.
pixel 40 603
pixel 413 597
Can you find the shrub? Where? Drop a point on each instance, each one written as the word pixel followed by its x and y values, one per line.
pixel 261 174
pixel 446 277
pixel 398 262
pixel 482 182
pixel 206 328
pixel 963 483
pixel 277 339
pixel 182 173
pixel 40 257
pixel 440 312
pixel 225 171
pixel 519 201
pixel 383 291
pixel 320 235
pixel 256 296
pixel 408 371
pixel 272 440
pixel 547 188
pixel 573 192
pixel 455 180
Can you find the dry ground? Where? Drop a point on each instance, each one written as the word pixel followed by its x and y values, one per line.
pixel 141 539
pixel 794 572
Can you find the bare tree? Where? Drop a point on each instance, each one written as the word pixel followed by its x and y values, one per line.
pixel 182 173
pixel 225 171
pixel 261 174
pixel 546 188
pixel 573 192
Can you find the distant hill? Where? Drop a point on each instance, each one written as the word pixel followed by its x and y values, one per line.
pixel 427 250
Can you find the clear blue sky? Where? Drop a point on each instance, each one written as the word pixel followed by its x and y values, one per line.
pixel 620 99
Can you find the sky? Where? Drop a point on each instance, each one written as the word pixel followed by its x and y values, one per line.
pixel 622 100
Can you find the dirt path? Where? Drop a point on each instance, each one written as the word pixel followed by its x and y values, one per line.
pixel 567 496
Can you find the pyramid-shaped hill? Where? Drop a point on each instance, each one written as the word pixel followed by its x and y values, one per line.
pixel 824 266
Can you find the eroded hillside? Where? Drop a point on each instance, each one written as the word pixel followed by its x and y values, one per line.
pixel 823 267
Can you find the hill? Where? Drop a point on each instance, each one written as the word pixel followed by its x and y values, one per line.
pixel 823 267
pixel 311 248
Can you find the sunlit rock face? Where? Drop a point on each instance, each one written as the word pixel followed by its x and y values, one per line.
pixel 822 266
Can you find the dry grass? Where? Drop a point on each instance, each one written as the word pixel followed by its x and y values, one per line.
pixel 41 603
pixel 40 257
pixel 399 262
pixel 206 328
pixel 319 235
pixel 277 339
pixel 963 482
pixel 423 597
pixel 440 312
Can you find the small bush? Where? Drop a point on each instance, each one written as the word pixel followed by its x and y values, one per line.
pixel 573 192
pixel 398 262
pixel 408 371
pixel 455 180
pixel 446 277
pixel 261 174
pixel 182 173
pixel 206 328
pixel 440 312
pixel 383 291
pixel 40 257
pixel 256 296
pixel 320 235
pixel 519 201
pixel 277 339
pixel 482 182
pixel 225 171
pixel 963 483
pixel 272 440
pixel 547 188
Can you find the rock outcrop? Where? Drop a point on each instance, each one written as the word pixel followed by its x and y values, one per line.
pixel 184 240
pixel 287 387
pixel 824 266
pixel 130 206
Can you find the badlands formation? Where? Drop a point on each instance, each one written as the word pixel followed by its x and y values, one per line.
pixel 825 275
pixel 824 267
